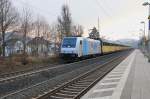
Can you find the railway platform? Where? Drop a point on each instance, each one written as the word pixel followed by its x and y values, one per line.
pixel 129 80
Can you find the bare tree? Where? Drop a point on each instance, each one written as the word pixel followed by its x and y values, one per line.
pixel 47 35
pixel 8 18
pixel 81 30
pixel 65 22
pixel 54 36
pixel 60 31
pixel 38 26
pixel 26 26
pixel 77 30
pixel 41 28
pixel 46 30
pixel 37 29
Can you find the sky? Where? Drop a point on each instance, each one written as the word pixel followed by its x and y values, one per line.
pixel 119 19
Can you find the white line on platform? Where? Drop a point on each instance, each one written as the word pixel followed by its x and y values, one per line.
pixel 115 78
pixel 118 72
pixel 111 83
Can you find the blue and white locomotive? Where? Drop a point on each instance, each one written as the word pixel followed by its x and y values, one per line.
pixel 80 47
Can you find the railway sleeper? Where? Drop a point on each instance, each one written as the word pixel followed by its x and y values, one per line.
pixel 55 97
pixel 108 67
pixel 93 75
pixel 72 89
pixel 64 96
pixel 83 83
pixel 78 85
pixel 86 81
pixel 89 79
pixel 68 92
pixel 92 78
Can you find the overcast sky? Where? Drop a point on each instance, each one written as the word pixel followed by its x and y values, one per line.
pixel 118 18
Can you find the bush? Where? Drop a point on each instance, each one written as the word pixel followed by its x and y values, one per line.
pixel 33 60
pixel 19 58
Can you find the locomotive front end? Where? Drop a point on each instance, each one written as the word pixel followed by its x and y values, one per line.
pixel 68 47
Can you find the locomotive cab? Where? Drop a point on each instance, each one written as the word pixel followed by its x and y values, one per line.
pixel 69 47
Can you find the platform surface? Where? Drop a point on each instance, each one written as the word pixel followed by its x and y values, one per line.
pixel 129 80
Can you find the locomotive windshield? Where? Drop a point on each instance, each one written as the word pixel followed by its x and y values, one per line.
pixel 69 42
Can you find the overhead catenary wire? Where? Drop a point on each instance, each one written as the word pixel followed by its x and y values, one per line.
pixel 107 4
pixel 66 1
pixel 102 8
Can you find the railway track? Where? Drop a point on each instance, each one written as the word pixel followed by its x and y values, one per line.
pixel 14 75
pixel 28 71
pixel 77 87
pixel 11 74
pixel 30 90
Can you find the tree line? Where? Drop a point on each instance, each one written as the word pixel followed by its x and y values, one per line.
pixel 30 26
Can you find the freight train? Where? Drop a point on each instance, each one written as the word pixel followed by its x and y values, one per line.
pixel 76 47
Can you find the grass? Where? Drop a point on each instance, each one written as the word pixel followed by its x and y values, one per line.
pixel 14 63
